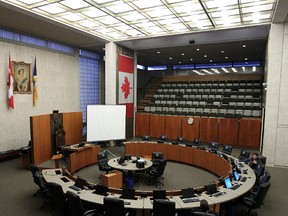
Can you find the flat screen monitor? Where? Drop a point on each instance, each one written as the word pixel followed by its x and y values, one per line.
pixel 211 188
pixel 227 182
pixel 80 183
pixel 128 193
pixel 159 194
pixel 236 176
pixel 106 122
pixel 187 192
pixel 101 190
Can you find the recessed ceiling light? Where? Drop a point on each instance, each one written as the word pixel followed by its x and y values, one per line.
pixel 198 49
pixel 170 58
pixel 182 54
pixel 226 57
pixel 205 56
pixel 234 69
pixel 191 59
pixel 179 62
pixel 244 45
pixel 222 51
pixel 158 52
pixel 211 60
pixel 246 59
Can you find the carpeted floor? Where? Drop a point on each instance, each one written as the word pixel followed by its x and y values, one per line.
pixel 17 186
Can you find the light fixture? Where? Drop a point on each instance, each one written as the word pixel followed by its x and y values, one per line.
pixel 182 54
pixel 158 52
pixel 244 45
pixel 234 69
pixel 225 70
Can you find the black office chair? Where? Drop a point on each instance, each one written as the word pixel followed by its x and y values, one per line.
pixel 263 179
pixel 180 140
pixel 75 204
pixel 162 139
pixel 156 173
pixel 262 159
pixel 114 207
pixel 227 149
pixel 58 198
pixel 146 138
pixel 259 170
pixel 244 155
pixel 103 162
pixel 163 207
pixel 156 158
pixel 197 142
pixel 214 146
pixel 255 200
pixel 38 180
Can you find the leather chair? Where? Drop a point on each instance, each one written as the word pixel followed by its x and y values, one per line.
pixel 38 180
pixel 180 140
pixel 103 162
pixel 255 200
pixel 156 173
pixel 203 214
pixel 75 204
pixel 244 155
pixel 162 139
pixel 114 207
pixel 263 179
pixel 214 146
pixel 146 138
pixel 227 149
pixel 163 207
pixel 197 142
pixel 58 198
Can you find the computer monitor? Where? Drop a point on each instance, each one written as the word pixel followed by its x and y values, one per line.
pixel 236 176
pixel 80 183
pixel 101 190
pixel 121 160
pixel 128 193
pixel 159 194
pixel 211 188
pixel 227 182
pixel 187 192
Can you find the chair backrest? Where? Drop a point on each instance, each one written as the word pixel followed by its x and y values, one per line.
pixel 114 207
pixel 161 167
pixel 262 159
pixel 74 203
pixel 102 156
pixel 157 155
pixel 261 194
pixel 146 137
pixel 227 149
pixel 37 177
pixel 102 160
pixel 180 139
pixel 244 154
pixel 163 207
pixel 197 142
pixel 163 138
pixel 57 195
pixel 265 178
pixel 213 145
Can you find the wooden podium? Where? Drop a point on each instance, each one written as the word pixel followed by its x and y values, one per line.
pixel 113 179
pixel 56 158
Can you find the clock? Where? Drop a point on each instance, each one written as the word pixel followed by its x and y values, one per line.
pixel 190 121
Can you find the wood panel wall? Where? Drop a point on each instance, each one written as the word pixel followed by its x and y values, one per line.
pixel 40 138
pixel 72 124
pixel 245 132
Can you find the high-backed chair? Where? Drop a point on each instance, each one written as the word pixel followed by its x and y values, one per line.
pixel 156 174
pixel 163 207
pixel 180 140
pixel 214 146
pixel 263 179
pixel 75 204
pixel 156 158
pixel 58 198
pixel 262 159
pixel 227 149
pixel 103 162
pixel 146 138
pixel 114 207
pixel 256 200
pixel 162 139
pixel 197 142
pixel 244 155
pixel 38 180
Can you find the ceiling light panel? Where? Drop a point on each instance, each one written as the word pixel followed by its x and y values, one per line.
pixel 143 18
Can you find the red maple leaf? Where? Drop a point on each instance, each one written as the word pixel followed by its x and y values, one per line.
pixel 126 87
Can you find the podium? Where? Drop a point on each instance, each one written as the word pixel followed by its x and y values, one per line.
pixel 56 158
pixel 113 179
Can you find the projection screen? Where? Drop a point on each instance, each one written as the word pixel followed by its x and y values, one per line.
pixel 106 122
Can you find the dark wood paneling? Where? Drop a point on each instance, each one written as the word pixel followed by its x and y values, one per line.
pixel 132 148
pixel 142 126
pixel 228 131
pixel 146 149
pixel 249 132
pixel 160 147
pixel 41 138
pixel 209 129
pixel 173 152
pixel 72 124
pixel 190 131
pixel 173 127
pixel 200 157
pixel 186 154
pixel 157 125
pixel 222 168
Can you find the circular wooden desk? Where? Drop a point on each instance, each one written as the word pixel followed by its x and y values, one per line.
pixel 129 165
pixel 189 155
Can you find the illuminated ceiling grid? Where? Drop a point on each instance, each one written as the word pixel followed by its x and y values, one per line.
pixel 129 19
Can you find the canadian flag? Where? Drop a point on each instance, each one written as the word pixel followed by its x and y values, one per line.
pixel 126 87
pixel 10 86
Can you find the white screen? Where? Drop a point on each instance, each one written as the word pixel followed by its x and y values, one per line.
pixel 106 122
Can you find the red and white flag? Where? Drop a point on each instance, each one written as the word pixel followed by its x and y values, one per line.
pixel 10 86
